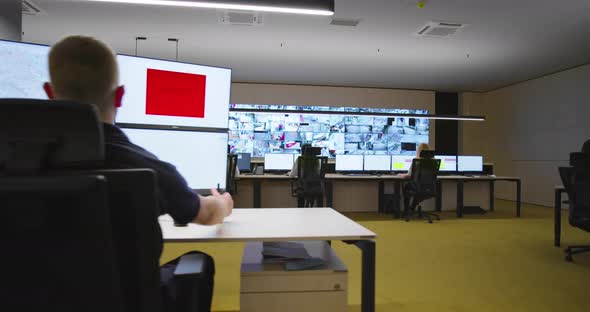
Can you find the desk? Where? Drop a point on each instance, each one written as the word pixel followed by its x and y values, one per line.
pixel 285 224
pixel 559 189
pixel 398 180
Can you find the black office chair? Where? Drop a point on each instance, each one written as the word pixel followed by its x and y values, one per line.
pixel 309 187
pixel 232 165
pixel 56 227
pixel 576 180
pixel 423 186
pixel 44 158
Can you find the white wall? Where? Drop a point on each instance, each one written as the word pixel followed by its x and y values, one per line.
pixel 530 129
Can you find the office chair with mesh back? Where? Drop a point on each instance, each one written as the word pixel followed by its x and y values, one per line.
pixel 56 227
pixel 232 165
pixel 310 184
pixel 576 180
pixel 58 142
pixel 423 186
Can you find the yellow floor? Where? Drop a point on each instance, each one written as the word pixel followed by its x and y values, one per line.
pixel 493 262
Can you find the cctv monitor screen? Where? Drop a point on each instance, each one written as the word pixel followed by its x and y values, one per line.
pixel 447 163
pixel 278 162
pixel 470 164
pixel 201 158
pixel 349 163
pixel 401 163
pixel 244 162
pixel 157 92
pixel 380 163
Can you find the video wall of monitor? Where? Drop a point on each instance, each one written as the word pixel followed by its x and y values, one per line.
pixel 161 97
pixel 269 133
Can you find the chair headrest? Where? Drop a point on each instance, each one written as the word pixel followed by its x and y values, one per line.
pixel 43 134
pixel 580 160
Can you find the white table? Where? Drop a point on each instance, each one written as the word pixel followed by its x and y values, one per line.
pixel 285 224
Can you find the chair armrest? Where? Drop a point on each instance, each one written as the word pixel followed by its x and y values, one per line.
pixel 190 265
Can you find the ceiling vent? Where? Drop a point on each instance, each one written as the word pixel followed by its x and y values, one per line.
pixel 439 29
pixel 241 18
pixel 31 8
pixel 347 22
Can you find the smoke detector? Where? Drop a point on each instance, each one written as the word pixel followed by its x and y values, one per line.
pixel 439 29
pixel 31 8
pixel 243 18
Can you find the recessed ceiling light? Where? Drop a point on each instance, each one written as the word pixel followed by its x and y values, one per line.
pixel 319 7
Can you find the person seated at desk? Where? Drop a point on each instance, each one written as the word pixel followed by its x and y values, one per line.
pixel 85 70
pixel 421 147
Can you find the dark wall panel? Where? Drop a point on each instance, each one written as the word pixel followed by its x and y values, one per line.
pixel 447 131
pixel 11 19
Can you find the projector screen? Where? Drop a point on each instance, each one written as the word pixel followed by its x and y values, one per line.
pixel 201 158
pixel 157 92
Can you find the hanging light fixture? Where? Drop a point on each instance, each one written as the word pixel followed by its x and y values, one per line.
pixel 309 7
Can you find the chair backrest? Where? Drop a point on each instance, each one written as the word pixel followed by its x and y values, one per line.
pixel 576 180
pixel 133 205
pixel 232 164
pixel 424 176
pixel 110 231
pixel 311 173
pixel 57 227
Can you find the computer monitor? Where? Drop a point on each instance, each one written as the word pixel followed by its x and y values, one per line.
pixel 200 157
pixel 157 92
pixel 278 162
pixel 401 163
pixel 448 163
pixel 244 162
pixel 349 163
pixel 470 164
pixel 377 163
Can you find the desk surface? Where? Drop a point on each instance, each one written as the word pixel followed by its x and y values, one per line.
pixel 270 224
pixel 337 176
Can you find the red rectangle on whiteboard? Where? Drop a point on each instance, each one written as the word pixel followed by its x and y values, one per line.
pixel 175 94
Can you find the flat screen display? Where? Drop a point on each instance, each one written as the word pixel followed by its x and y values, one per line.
pixel 377 163
pixel 268 133
pixel 401 163
pixel 200 157
pixel 244 162
pixel 447 163
pixel 279 162
pixel 470 163
pixel 157 92
pixel 349 162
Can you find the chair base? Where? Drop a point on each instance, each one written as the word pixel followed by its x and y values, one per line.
pixel 419 214
pixel 573 250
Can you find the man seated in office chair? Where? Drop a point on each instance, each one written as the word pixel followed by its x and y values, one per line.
pixel 85 70
pixel 421 147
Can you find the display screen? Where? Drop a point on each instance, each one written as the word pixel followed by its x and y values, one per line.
pixel 278 162
pixel 470 163
pixel 377 163
pixel 447 163
pixel 244 162
pixel 349 162
pixel 157 92
pixel 201 158
pixel 267 133
pixel 401 163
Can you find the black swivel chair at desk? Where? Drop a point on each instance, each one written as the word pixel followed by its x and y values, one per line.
pixel 82 240
pixel 309 188
pixel 423 186
pixel 576 180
